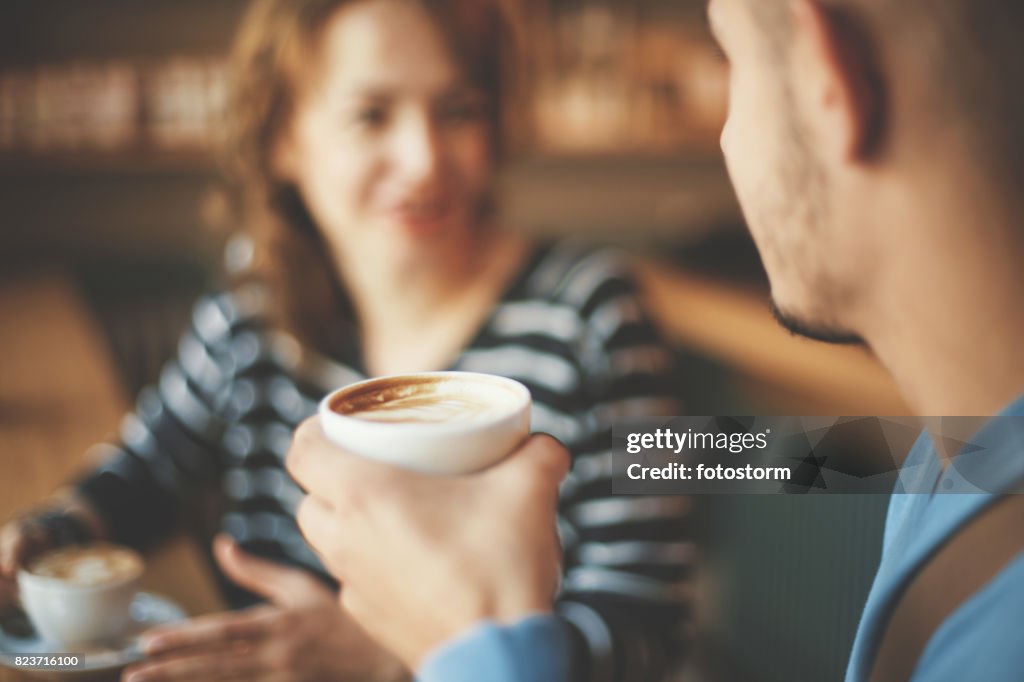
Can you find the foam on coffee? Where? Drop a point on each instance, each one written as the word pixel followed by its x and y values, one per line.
pixel 89 565
pixel 426 399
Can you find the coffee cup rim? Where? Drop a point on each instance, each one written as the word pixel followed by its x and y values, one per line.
pixel 523 393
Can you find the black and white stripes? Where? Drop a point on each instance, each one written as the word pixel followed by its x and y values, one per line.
pixel 571 328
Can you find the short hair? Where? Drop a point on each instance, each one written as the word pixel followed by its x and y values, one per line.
pixel 974 53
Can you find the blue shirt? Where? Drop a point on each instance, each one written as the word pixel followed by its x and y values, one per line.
pixel 983 639
pixel 536 649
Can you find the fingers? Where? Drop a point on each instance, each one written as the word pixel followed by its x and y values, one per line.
pixel 280 584
pixel 8 594
pixel 239 662
pixel 217 630
pixel 18 544
pixel 548 453
pixel 319 524
pixel 312 460
pixel 323 468
pixel 539 465
pixel 10 542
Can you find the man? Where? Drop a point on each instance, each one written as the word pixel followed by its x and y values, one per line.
pixel 876 147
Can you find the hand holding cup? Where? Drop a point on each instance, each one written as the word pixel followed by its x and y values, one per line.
pixel 64 521
pixel 423 557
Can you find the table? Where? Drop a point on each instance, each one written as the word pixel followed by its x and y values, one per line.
pixel 58 396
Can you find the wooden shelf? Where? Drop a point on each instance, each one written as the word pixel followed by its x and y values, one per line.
pixel 618 197
pixel 129 162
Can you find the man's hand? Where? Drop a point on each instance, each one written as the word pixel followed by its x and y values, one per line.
pixel 423 558
pixel 302 636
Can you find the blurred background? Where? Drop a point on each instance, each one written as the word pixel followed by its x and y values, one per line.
pixel 112 220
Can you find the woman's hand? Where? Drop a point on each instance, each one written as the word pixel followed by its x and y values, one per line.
pixel 14 541
pixel 302 635
pixel 8 595
pixel 64 520
pixel 21 540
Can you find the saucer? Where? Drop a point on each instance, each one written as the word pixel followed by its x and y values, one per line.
pixel 18 638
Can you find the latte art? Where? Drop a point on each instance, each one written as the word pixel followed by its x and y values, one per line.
pixel 88 566
pixel 433 422
pixel 427 409
pixel 427 401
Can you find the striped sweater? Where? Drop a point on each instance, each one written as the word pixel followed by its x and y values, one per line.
pixel 218 422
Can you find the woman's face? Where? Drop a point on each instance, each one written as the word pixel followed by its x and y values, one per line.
pixel 389 146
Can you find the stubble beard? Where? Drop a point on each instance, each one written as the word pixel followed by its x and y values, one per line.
pixel 814 330
pixel 802 204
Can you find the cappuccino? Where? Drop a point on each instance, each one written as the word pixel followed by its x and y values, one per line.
pixel 88 566
pixel 428 399
pixel 434 422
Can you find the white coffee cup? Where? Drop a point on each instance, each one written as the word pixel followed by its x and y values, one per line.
pixel 71 614
pixel 433 422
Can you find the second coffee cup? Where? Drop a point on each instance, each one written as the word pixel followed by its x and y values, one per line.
pixel 433 422
pixel 80 597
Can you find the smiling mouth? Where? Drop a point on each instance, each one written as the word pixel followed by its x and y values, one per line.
pixel 422 212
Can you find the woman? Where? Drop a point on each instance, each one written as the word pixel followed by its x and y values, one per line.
pixel 365 135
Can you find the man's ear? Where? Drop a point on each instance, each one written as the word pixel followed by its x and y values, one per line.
pixel 836 81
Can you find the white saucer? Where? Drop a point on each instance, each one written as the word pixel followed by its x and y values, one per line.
pixel 148 610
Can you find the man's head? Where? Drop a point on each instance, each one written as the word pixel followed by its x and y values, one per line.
pixel 844 116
